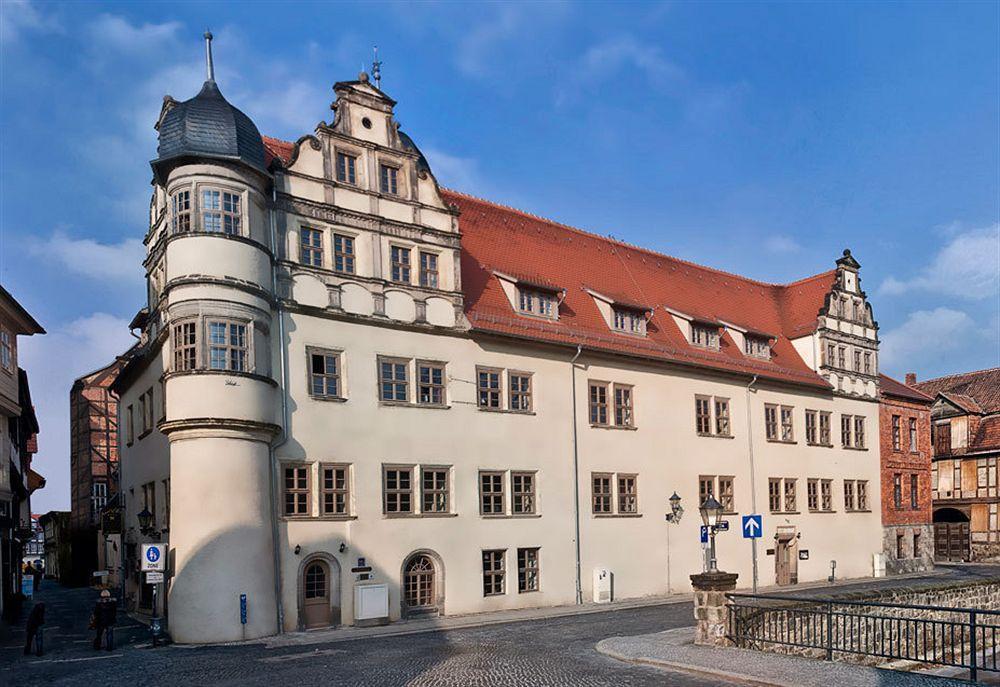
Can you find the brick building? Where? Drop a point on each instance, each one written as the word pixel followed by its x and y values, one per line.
pixel 905 441
pixel 965 432
pixel 93 463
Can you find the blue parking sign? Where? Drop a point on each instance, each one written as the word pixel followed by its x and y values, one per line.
pixel 704 534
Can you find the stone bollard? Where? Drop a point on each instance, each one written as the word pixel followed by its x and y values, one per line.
pixel 710 612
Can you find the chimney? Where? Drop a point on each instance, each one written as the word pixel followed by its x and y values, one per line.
pixel 911 378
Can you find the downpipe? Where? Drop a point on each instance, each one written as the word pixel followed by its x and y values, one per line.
pixel 576 478
pixel 272 449
pixel 753 477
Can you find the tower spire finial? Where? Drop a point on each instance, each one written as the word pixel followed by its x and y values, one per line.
pixel 376 68
pixel 209 65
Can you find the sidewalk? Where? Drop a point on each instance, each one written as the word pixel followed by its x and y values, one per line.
pixel 457 622
pixel 675 650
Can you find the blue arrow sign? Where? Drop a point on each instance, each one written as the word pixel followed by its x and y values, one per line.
pixel 704 534
pixel 753 526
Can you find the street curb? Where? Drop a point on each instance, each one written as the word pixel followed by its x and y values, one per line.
pixel 693 670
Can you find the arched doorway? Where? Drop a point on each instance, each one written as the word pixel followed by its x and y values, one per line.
pixel 319 592
pixel 951 535
pixel 423 585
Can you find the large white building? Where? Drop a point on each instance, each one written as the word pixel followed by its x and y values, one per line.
pixel 352 380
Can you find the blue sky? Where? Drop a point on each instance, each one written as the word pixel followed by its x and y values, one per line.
pixel 757 138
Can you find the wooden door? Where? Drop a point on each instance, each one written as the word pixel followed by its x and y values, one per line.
pixel 951 541
pixel 786 561
pixel 316 596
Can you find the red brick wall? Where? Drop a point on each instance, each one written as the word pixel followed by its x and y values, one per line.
pixel 904 462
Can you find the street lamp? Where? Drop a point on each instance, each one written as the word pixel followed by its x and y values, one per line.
pixel 145 520
pixel 676 510
pixel 710 511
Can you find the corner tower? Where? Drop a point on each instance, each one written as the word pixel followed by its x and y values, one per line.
pixel 209 267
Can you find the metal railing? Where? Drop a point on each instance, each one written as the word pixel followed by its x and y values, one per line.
pixel 956 637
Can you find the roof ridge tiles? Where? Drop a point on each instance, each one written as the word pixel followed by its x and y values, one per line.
pixel 958 374
pixel 625 244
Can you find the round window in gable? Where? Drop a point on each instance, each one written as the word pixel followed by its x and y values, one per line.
pixel 366 123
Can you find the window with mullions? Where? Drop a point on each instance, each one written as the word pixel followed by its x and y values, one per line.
pixel 185 344
pixel 705 335
pixel 488 387
pixel 527 570
pixel 388 179
pixel 519 384
pixel 434 490
pixel 324 374
pixel 311 247
pixel 534 302
pixel 913 435
pixel 335 490
pixel 629 321
pixel 598 403
pixel 393 380
pixel 429 270
pixel 522 493
pixel 180 212
pixel 296 490
pixel 227 346
pixel 220 212
pixel 601 494
pixel 399 259
pixel 493 572
pixel 343 253
pixel 623 406
pixel 346 168
pixel 430 383
pixel 628 495
pixel 491 496
pixel 397 490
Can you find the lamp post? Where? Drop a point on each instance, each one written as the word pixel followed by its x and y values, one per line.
pixel 146 528
pixel 673 517
pixel 710 511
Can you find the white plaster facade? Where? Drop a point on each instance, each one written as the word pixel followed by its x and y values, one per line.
pixel 222 438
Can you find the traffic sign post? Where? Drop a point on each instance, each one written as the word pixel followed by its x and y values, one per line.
pixel 153 562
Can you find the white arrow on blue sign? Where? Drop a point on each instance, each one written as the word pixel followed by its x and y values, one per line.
pixel 752 526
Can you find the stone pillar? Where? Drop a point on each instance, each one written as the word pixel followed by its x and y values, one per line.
pixel 710 612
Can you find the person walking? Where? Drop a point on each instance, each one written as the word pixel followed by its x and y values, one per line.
pixel 103 621
pixel 34 625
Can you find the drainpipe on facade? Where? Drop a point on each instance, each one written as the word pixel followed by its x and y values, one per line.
pixel 753 482
pixel 576 477
pixel 272 453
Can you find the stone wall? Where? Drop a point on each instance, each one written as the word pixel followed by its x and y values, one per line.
pixel 863 630
pixel 919 560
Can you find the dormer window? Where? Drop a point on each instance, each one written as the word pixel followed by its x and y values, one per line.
pixel 220 212
pixel 758 347
pixel 388 179
pixel 705 335
pixel 629 321
pixel 535 302
pixel 346 166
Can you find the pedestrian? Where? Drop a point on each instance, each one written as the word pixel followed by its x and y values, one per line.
pixel 36 571
pixel 34 625
pixel 103 620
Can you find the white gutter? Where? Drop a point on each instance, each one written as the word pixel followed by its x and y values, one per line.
pixel 576 477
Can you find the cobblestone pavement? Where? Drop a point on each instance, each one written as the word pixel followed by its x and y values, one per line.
pixel 554 651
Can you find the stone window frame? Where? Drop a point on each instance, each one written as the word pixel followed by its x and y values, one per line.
pixel 709 421
pixel 347 257
pixel 347 491
pixel 311 254
pixel 355 156
pixel 396 495
pixel 388 178
pixel 609 494
pixel 227 346
pixel 812 494
pixel 181 350
pixel 627 493
pixel 624 404
pixel 597 403
pixel 424 272
pixel 298 493
pixel 522 398
pixel 789 493
pixel 528 569
pixel 725 496
pixel 439 487
pixel 491 495
pixel 401 177
pixel 235 218
pixel 441 387
pixel 486 392
pixel 494 572
pixel 520 494
pixel 181 217
pixel 400 270
pixel 338 376
pixel 819 433
pixel 392 380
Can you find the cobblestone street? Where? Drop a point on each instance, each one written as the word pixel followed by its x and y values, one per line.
pixel 553 651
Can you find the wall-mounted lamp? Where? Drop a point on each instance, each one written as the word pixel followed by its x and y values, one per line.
pixel 343 547
pixel 676 509
pixel 298 549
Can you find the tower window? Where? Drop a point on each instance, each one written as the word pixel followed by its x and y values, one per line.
pixel 311 247
pixel 220 212
pixel 388 179
pixel 346 165
pixel 227 346
pixel 343 253
pixel 180 212
pixel 185 345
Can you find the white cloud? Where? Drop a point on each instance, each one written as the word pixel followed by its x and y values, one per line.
pixel 459 173
pixel 968 266
pixel 112 32
pixel 781 244
pixel 927 337
pixel 89 258
pixel 53 361
pixel 18 17
pixel 607 59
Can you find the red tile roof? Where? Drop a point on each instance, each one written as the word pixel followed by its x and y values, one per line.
pixel 988 435
pixel 981 388
pixel 496 238
pixel 892 387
